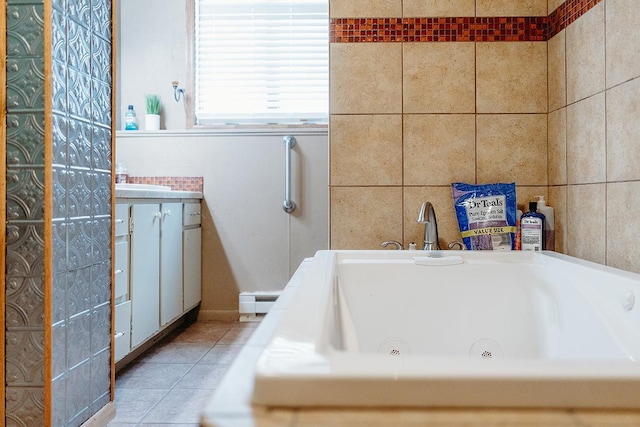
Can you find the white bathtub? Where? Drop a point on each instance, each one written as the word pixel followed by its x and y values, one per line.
pixel 500 329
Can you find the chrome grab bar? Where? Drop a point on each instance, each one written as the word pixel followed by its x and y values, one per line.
pixel 288 205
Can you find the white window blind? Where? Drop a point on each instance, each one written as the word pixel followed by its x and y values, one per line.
pixel 261 61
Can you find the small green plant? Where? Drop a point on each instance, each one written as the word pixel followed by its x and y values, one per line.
pixel 153 104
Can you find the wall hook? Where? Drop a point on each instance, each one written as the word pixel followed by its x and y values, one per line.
pixel 177 91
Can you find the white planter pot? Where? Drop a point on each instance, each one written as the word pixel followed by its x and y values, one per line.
pixel 152 122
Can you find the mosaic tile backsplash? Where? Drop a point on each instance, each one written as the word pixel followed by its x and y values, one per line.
pixel 189 183
pixel 80 220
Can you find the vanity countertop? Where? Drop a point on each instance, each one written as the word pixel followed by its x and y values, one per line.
pixel 141 191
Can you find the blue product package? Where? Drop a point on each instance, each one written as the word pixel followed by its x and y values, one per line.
pixel 486 215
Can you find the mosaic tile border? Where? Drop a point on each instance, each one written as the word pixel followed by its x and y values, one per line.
pixel 567 13
pixel 177 183
pixel 458 29
pixel 465 29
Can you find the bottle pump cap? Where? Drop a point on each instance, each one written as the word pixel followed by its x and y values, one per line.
pixel 541 201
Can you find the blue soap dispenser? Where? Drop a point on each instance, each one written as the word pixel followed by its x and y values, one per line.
pixel 532 229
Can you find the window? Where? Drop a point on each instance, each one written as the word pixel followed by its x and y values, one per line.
pixel 261 61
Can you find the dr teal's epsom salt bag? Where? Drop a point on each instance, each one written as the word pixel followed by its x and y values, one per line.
pixel 486 215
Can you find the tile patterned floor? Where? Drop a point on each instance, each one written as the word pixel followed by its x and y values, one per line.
pixel 169 384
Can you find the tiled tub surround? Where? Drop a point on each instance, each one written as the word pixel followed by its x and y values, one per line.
pixel 556 116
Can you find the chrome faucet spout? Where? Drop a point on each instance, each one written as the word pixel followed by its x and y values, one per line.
pixel 427 216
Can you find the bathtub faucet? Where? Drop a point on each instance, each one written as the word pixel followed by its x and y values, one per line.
pixel 427 217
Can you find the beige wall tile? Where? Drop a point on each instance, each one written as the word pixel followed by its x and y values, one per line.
pixel 366 78
pixel 511 8
pixel 442 201
pixel 558 201
pixel 586 222
pixel 364 217
pixel 557 147
pixel 526 194
pixel 440 8
pixel 512 147
pixel 439 148
pixel 623 201
pixel 623 128
pixel 585 55
pixel 366 150
pixel 623 40
pixel 511 77
pixel 553 5
pixel 557 78
pixel 586 146
pixel 365 8
pixel 439 77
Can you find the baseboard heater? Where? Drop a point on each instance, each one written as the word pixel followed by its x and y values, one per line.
pixel 254 305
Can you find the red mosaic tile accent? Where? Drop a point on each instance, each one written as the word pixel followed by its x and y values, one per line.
pixel 351 30
pixel 458 29
pixel 177 183
pixel 567 13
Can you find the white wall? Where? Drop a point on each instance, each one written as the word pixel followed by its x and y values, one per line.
pixel 153 52
pixel 249 242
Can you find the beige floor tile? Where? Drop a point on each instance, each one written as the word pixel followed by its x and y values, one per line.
pixel 133 404
pixel 151 375
pixel 237 336
pixel 202 376
pixel 221 354
pixel 178 406
pixel 202 332
pixel 176 353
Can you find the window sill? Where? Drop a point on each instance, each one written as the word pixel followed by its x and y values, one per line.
pixel 235 130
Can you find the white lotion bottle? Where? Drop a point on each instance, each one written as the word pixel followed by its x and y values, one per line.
pixel 549 225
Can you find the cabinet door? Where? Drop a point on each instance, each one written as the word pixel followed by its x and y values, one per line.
pixel 192 267
pixel 170 262
pixel 145 272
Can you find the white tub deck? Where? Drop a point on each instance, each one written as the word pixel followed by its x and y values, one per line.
pixel 373 329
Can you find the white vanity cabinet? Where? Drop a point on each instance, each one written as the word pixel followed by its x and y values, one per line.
pixel 145 271
pixel 122 324
pixel 156 266
pixel 170 262
pixel 191 255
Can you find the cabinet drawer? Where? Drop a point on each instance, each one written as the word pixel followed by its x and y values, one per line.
pixel 191 214
pixel 121 266
pixel 122 330
pixel 122 219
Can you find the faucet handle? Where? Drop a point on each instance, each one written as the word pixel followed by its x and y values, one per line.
pixel 397 244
